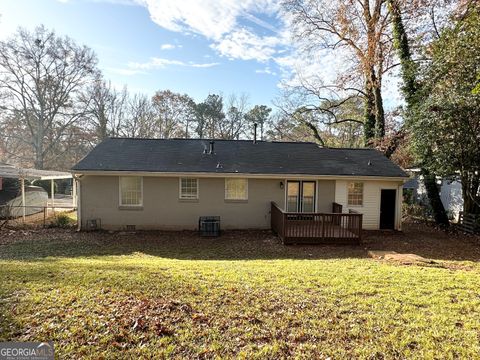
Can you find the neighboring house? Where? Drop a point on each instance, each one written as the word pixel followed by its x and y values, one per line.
pixel 450 192
pixel 168 184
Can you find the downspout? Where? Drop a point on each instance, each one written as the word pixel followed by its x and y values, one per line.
pixel 52 194
pixel 399 206
pixel 23 199
pixel 78 183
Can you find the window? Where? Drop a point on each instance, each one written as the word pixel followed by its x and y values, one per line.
pixel 131 191
pixel 236 189
pixel 188 188
pixel 355 194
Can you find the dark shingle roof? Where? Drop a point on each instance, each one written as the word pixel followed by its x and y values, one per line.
pixel 234 156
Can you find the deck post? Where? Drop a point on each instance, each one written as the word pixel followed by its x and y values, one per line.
pixel 323 226
pixel 360 225
pixel 52 189
pixel 23 199
pixel 74 192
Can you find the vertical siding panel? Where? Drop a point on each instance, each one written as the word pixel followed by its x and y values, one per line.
pixel 371 200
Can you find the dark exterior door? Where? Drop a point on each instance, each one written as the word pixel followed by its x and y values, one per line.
pixel 387 209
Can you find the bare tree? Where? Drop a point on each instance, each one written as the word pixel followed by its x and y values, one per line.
pixel 11 147
pixel 140 118
pixel 232 126
pixel 41 76
pixel 106 108
pixel 174 113
pixel 330 123
pixel 360 29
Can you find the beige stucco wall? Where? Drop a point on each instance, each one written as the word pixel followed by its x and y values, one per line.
pixel 371 201
pixel 162 208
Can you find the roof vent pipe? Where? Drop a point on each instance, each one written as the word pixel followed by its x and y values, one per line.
pixel 212 147
pixel 255 133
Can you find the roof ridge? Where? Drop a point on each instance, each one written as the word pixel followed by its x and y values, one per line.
pixel 241 140
pixel 209 139
pixel 351 148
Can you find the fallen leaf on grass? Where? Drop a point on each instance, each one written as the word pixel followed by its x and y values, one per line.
pixel 161 330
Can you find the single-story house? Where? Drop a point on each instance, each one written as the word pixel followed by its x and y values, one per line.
pixel 126 183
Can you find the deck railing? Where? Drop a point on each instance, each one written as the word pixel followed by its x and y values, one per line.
pixel 328 228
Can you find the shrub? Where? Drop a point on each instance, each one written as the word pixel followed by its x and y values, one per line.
pixel 417 211
pixel 62 221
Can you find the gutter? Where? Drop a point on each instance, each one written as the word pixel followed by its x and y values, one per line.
pixel 236 175
pixel 78 183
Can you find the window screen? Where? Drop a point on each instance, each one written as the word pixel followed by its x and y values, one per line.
pixel 236 189
pixel 355 193
pixel 188 188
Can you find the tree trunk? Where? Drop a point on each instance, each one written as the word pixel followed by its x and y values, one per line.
pixel 38 146
pixel 400 42
pixel 470 190
pixel 409 90
pixel 433 194
pixel 379 112
pixel 369 113
pixel 470 206
pixel 38 163
pixel 102 127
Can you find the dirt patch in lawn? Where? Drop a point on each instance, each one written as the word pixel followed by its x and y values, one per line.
pixel 425 241
pixel 393 256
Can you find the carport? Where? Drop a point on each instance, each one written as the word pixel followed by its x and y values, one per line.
pixel 11 171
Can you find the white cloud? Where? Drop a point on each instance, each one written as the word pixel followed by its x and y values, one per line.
pixel 266 70
pixel 170 46
pixel 161 63
pixel 244 44
pixel 210 18
pixel 218 21
pixel 167 46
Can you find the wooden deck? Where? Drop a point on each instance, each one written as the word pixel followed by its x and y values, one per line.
pixel 317 228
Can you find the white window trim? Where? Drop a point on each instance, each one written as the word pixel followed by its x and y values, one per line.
pixel 246 195
pixel 363 194
pixel 120 192
pixel 180 188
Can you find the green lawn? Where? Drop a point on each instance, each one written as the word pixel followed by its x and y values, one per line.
pixel 243 295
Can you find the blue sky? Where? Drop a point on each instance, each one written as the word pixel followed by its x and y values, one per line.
pixel 189 46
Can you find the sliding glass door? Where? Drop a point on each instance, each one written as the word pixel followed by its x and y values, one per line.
pixel 301 196
pixel 308 196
